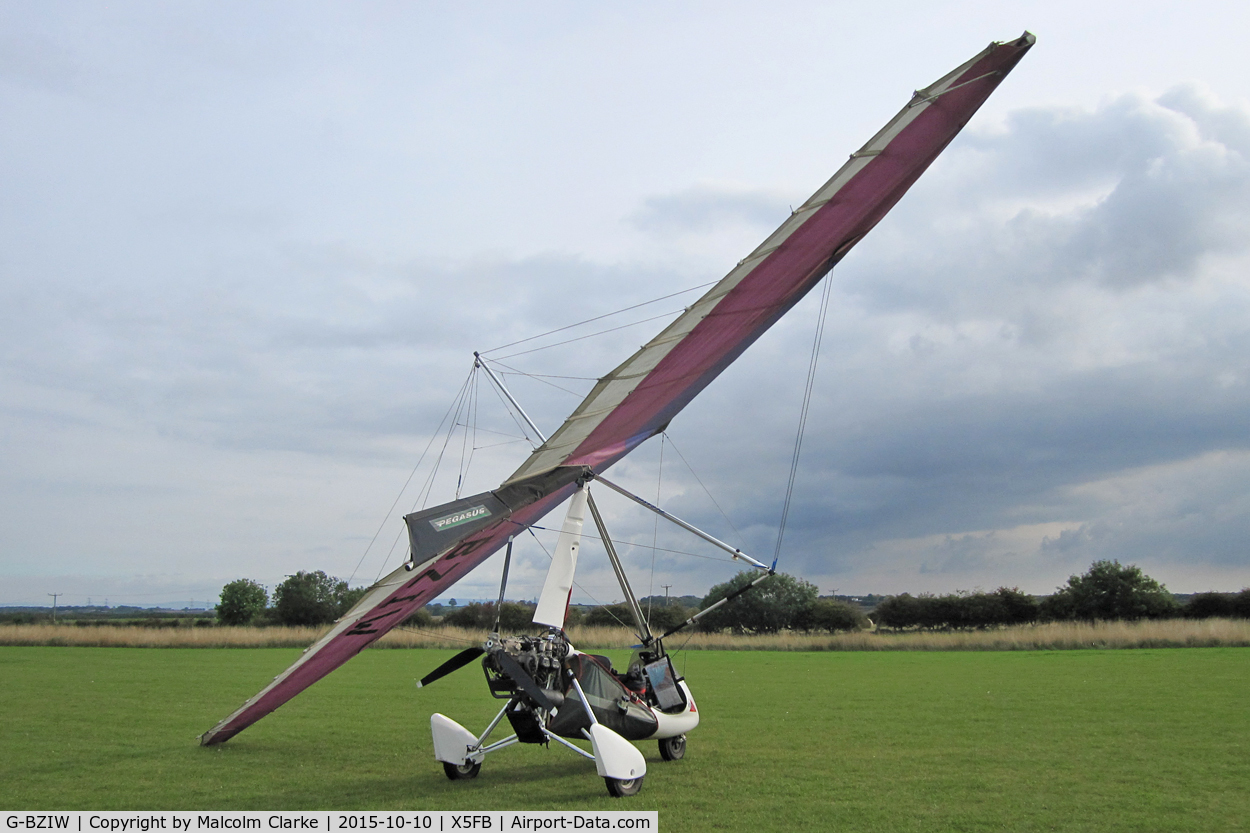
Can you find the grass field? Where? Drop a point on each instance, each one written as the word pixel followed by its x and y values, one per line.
pixel 1147 740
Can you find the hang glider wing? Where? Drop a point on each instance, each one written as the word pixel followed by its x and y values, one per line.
pixel 639 398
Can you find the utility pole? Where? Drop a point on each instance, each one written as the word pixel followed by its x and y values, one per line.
pixel 54 595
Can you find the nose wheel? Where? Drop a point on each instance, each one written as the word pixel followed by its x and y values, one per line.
pixel 461 772
pixel 673 749
pixel 621 787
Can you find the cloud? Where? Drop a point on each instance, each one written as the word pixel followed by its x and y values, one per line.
pixel 705 208
pixel 1004 343
pixel 241 282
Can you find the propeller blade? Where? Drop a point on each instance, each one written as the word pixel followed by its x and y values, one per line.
pixel 522 679
pixel 457 662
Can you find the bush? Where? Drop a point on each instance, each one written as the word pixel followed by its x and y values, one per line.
pixel 610 616
pixel 1018 608
pixel 1210 605
pixel 1005 606
pixel 514 616
pixel 242 601
pixel 421 618
pixel 901 611
pixel 831 616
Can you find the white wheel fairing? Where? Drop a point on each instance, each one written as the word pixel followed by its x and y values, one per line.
pixel 452 741
pixel 615 757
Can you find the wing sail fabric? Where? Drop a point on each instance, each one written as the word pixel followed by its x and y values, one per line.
pixel 639 398
pixel 636 400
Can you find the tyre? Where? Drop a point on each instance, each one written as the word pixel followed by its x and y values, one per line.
pixel 460 772
pixel 673 749
pixel 621 787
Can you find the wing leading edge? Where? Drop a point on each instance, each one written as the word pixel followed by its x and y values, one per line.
pixel 639 398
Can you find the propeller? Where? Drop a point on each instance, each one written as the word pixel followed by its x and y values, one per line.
pixel 457 662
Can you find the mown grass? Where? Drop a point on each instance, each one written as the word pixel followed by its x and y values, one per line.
pixel 1169 633
pixel 1094 740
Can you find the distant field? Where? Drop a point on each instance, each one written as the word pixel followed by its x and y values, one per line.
pixel 1170 633
pixel 1093 740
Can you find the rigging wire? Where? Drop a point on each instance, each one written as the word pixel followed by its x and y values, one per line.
pixel 512 371
pixel 423 494
pixel 441 634
pixel 597 318
pixel 592 335
pixel 803 412
pixel 636 545
pixel 706 491
pixel 468 443
pixel 407 482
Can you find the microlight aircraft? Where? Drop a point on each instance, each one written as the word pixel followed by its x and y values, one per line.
pixel 552 691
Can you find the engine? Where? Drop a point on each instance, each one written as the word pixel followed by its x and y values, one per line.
pixel 542 657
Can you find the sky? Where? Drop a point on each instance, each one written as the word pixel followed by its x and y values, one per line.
pixel 247 251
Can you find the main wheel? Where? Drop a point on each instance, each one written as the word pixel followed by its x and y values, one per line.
pixel 621 787
pixel 673 749
pixel 459 772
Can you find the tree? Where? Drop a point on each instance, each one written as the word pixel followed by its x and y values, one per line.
pixel 771 606
pixel 1110 590
pixel 663 617
pixel 311 599
pixel 242 601
pixel 1018 607
pixel 349 599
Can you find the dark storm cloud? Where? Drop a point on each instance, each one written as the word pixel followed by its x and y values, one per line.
pixel 1060 305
